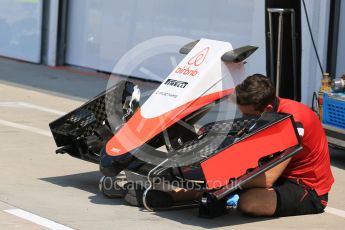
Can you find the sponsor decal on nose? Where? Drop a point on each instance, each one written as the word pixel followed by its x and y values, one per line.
pixel 199 58
pixel 195 61
pixel 175 83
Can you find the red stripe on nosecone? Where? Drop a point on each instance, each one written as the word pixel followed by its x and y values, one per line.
pixel 139 130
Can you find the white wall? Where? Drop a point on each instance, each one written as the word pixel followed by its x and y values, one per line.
pixel 318 12
pixel 341 43
pixel 20 29
pixel 101 32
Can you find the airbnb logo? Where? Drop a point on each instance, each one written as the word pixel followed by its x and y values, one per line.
pixel 199 58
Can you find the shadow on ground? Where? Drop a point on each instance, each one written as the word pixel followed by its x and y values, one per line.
pixel 89 182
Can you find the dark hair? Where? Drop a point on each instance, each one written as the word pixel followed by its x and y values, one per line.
pixel 256 90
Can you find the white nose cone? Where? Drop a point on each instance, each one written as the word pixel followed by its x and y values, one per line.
pixel 199 74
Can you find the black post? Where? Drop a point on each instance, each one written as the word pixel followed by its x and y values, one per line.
pixel 62 32
pixel 333 33
pixel 287 89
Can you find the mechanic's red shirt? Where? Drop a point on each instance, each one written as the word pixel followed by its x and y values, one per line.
pixel 312 164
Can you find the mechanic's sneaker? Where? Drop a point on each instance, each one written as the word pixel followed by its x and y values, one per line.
pixel 155 198
pixel 111 187
pixel 133 194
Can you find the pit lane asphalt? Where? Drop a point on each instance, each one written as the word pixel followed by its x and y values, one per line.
pixel 65 190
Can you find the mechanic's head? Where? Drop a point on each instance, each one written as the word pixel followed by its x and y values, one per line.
pixel 255 95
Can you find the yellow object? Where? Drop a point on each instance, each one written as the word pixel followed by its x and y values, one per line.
pixel 325 87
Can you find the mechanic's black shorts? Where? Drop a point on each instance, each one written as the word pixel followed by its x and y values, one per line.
pixel 294 198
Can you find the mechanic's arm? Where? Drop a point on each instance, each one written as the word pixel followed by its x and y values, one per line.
pixel 267 179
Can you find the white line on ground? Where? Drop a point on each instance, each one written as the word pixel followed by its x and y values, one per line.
pixel 20 104
pixel 335 211
pixel 25 127
pixel 37 219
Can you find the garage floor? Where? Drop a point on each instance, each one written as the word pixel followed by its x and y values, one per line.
pixel 40 189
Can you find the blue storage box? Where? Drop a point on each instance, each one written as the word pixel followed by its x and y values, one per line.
pixel 334 109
